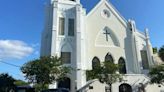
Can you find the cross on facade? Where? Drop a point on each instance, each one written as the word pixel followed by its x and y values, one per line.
pixel 106 33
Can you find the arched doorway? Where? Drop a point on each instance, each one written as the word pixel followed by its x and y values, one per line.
pixel 122 66
pixel 65 83
pixel 109 58
pixel 95 62
pixel 125 88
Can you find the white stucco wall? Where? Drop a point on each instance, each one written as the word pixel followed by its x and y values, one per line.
pixel 95 24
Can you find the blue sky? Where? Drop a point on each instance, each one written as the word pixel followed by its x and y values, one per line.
pixel 22 21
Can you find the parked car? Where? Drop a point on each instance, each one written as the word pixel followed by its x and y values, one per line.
pixel 56 90
pixel 24 89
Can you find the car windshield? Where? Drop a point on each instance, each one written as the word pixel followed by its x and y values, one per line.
pixel 56 90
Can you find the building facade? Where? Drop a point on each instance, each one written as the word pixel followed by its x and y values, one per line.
pixel 81 39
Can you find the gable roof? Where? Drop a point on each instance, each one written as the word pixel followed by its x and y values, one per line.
pixel 112 8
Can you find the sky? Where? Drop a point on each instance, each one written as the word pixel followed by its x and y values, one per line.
pixel 22 21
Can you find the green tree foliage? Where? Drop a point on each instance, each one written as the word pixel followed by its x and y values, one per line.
pixel 109 71
pixel 21 83
pixel 161 53
pixel 157 74
pixel 38 87
pixel 106 73
pixel 44 70
pixel 94 73
pixel 155 50
pixel 6 82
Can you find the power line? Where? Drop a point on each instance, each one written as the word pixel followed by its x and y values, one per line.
pixel 10 64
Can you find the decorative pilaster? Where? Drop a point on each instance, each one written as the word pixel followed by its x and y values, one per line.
pixel 78 37
pixel 149 48
pixel 80 73
pixel 134 47
pixel 54 26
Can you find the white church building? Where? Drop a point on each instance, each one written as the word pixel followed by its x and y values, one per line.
pixel 81 39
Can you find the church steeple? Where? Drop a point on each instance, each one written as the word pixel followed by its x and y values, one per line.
pixel 63 36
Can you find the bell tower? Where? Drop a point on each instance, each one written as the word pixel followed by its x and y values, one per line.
pixel 64 36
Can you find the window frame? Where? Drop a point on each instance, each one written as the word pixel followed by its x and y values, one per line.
pixel 71 28
pixel 66 58
pixel 61 29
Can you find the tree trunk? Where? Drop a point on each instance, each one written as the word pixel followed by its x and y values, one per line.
pixel 42 86
pixel 109 88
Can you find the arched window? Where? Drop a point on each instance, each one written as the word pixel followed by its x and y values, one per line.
pixel 66 53
pixel 109 58
pixel 122 66
pixel 65 83
pixel 125 88
pixel 111 33
pixel 95 63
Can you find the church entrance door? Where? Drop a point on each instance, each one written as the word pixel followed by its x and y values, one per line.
pixel 125 88
pixel 65 83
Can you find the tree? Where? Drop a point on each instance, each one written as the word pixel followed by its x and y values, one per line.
pixel 20 83
pixel 95 72
pixel 45 70
pixel 157 74
pixel 161 53
pixel 155 50
pixel 6 82
pixel 105 73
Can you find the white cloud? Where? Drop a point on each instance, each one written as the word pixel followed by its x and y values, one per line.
pixel 14 49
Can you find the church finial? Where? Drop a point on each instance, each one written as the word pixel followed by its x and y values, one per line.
pixel 53 1
pixel 132 25
pixel 147 33
pixel 78 1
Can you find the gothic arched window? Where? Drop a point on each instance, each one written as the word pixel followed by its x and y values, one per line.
pixel 122 66
pixel 66 57
pixel 109 58
pixel 95 63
